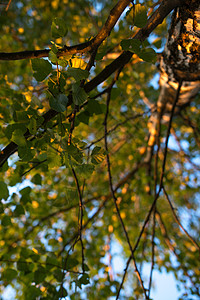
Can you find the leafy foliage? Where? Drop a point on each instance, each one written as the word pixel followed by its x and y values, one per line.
pixel 75 126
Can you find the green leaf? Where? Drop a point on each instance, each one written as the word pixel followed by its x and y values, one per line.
pixel 71 193
pixel 22 266
pixel 37 179
pixel 6 221
pixel 32 293
pixel 19 210
pixel 25 153
pixel 4 193
pixel 71 263
pixel 59 103
pixel 9 274
pixel 84 279
pixel 22 116
pixel 53 158
pixel 85 170
pixel 98 155
pixel 1 208
pixel 132 45
pixel 78 93
pixel 41 67
pixel 58 274
pixel 86 268
pixel 32 126
pixel 51 261
pixel 148 55
pixel 18 138
pixel 157 43
pixel 58 28
pixel 54 48
pixel 62 292
pixel 125 44
pixel 77 73
pixel 140 15
pixel 25 253
pixel 84 117
pixel 25 191
pixel 75 153
pixel 39 275
pixel 100 55
pixel 94 107
pixel 53 57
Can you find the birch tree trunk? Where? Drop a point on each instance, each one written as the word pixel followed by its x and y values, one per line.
pixel 180 62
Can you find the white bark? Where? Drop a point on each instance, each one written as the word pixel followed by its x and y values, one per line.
pixel 180 61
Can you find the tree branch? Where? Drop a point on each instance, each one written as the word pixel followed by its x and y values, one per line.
pixel 89 46
pixel 157 18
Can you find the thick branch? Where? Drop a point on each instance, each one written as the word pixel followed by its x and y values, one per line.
pixel 115 14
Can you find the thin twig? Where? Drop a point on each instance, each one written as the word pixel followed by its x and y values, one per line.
pixel 116 126
pixel 72 120
pixel 163 169
pixel 168 133
pixel 80 225
pixel 152 252
pixel 7 7
pixel 112 189
pixel 172 247
pixel 178 221
pixel 33 167
pixel 124 276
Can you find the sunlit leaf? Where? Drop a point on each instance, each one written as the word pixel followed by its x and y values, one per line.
pixel 97 155
pixel 140 15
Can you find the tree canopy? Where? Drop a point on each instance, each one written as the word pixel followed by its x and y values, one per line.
pixel 99 128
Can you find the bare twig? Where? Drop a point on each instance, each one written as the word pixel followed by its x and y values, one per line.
pixel 113 192
pixel 152 253
pixel 178 221
pixel 116 126
pixel 172 248
pixel 124 276
pixel 7 7
pixel 72 120
pixel 80 218
pixel 163 169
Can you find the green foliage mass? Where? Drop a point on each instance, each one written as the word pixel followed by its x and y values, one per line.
pixel 60 189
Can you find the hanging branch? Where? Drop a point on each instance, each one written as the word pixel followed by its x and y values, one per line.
pixel 178 221
pixel 124 276
pixel 171 246
pixel 152 252
pixel 162 171
pixel 112 189
pixel 80 217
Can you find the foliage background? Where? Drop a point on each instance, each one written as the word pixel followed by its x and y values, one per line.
pixel 61 221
